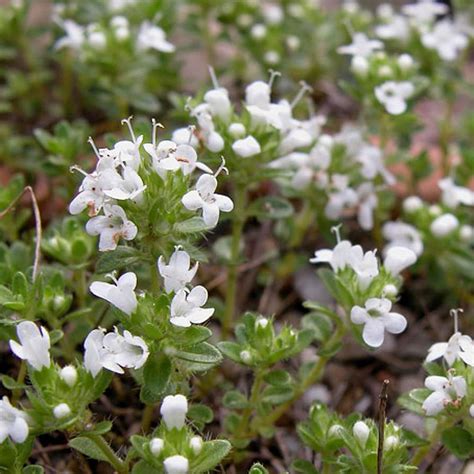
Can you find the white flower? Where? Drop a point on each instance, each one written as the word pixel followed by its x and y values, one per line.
pixel 219 103
pixel 153 37
pixel 444 225
pixel 412 204
pixel 361 46
pixel 371 159
pixel 446 391
pixel 361 432
pixel 113 351
pixel 396 27
pixel 398 258
pixel 424 11
pixel 359 65
pixel 34 346
pixel 111 227
pixel 156 446
pixel 271 57
pixel 400 234
pixel 186 307
pixel 459 346
pixel 237 129
pixel 273 14
pixel 390 442
pixel 13 422
pixel 173 410
pixel 69 375
pixel 338 258
pixel 445 39
pixel 183 136
pixel 178 273
pixel 452 195
pixel 377 318
pixel 74 36
pixel 405 62
pixel 393 95
pixel 367 203
pixel 258 31
pixel 258 94
pixel 195 443
pixel 176 465
pixel 246 147
pixel 97 39
pixel 365 265
pixel 61 411
pixel 466 232
pixel 205 198
pixel 339 197
pixel 126 152
pixel 121 294
pixel 129 187
pixel 296 138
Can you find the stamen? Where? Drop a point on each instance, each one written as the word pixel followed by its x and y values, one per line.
pixel 154 134
pixel 304 88
pixel 94 147
pixel 214 80
pixel 192 129
pixel 76 168
pixel 336 231
pixel 111 275
pixel 221 168
pixel 128 122
pixel 273 75
pixel 455 314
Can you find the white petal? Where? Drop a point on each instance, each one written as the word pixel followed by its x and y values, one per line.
pixel 210 214
pixel 373 333
pixel 225 203
pixel 434 403
pixel 192 200
pixel 200 315
pixel 128 280
pixel 181 321
pixel 198 296
pixel 436 351
pixel 435 382
pixel 394 323
pixel 19 430
pixel 359 315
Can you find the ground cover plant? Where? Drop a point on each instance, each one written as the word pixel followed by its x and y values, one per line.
pixel 236 236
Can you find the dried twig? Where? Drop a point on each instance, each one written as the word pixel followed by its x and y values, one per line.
pixel 383 397
pixel 37 215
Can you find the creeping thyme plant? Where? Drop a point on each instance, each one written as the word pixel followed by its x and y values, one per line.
pixel 236 236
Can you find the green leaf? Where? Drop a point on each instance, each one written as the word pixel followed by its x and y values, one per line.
pixel 301 466
pixel 231 350
pixel 278 378
pixel 156 375
pixel 142 467
pixel 213 452
pixel 32 469
pixel 11 384
pixel 271 207
pixel 199 358
pixel 117 259
pixel 459 441
pixel 88 447
pixel 320 324
pixel 101 428
pixel 235 400
pixel 258 469
pixel 200 413
pixel 191 226
pixel 277 395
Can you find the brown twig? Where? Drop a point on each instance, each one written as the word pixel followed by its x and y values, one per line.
pixel 38 227
pixel 383 398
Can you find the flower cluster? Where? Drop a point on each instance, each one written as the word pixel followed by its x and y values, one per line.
pixel 374 286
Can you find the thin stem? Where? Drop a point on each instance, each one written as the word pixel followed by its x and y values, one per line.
pixel 20 379
pixel 108 452
pixel 445 136
pixel 382 415
pixel 147 418
pixel 303 222
pixel 232 270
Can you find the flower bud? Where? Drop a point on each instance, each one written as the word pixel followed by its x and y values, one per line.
pixel 97 39
pixel 176 465
pixel 62 410
pixel 156 446
pixel 215 142
pixel 359 66
pixel 335 431
pixel 246 357
pixel 173 410
pixel 271 57
pixel 385 71
pixel 293 43
pixel 390 442
pixel 122 33
pixel 398 258
pixel 412 204
pixel 405 62
pixel 246 147
pixel 471 410
pixel 195 444
pixel 434 210
pixel 444 225
pixel 257 93
pixel 218 100
pixel 466 232
pixel 236 130
pixel 361 432
pixel 119 22
pixel 69 375
pixel 261 323
pixel 390 290
pixel 258 31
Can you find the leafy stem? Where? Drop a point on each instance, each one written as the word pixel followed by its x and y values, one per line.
pixel 120 466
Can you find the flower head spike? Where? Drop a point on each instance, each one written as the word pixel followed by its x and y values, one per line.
pixel 446 391
pixel 13 422
pixel 377 318
pixel 186 308
pixel 35 344
pixel 173 410
pixel 393 96
pixel 111 227
pixel 178 272
pixel 205 198
pixel 121 295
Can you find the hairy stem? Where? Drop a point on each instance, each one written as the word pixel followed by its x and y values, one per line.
pixel 147 418
pixel 232 270
pixel 108 452
pixel 20 379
